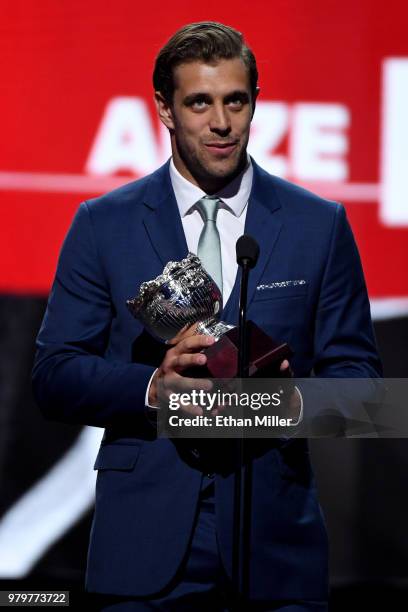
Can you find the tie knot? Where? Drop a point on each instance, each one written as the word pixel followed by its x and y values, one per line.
pixel 208 207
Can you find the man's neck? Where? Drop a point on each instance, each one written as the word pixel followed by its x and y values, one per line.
pixel 211 185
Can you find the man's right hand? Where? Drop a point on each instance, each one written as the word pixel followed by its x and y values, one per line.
pixel 168 378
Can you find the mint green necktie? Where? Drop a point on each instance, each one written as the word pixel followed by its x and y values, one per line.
pixel 209 244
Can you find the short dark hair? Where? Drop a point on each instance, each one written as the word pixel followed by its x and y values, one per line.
pixel 204 41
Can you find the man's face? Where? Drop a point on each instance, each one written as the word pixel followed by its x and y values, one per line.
pixel 209 120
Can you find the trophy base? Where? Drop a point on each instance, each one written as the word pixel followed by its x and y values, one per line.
pixel 265 355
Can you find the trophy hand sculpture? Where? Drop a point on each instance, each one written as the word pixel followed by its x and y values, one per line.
pixel 185 294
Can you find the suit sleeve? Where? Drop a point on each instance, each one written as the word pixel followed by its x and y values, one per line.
pixel 72 380
pixel 344 342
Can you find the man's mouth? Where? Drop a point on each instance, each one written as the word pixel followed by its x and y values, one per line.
pixel 221 148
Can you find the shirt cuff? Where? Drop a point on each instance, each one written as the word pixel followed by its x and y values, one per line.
pixel 300 418
pixel 290 434
pixel 147 393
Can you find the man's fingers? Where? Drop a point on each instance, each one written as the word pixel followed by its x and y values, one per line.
pixel 175 362
pixel 187 353
pixel 182 384
pixel 174 383
pixel 193 344
pixel 192 410
pixel 185 332
pixel 188 360
pixel 284 365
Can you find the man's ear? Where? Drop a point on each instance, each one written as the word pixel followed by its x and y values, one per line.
pixel 254 101
pixel 164 110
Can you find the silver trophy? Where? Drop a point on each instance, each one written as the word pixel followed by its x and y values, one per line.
pixel 183 294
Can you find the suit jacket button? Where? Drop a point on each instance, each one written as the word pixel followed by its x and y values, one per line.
pixel 210 475
pixel 195 452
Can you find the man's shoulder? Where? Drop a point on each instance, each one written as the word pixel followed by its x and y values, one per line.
pixel 293 198
pixel 131 194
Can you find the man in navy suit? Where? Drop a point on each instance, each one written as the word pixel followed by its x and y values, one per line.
pixel 162 530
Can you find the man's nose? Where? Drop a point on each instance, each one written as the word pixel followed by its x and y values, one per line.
pixel 220 120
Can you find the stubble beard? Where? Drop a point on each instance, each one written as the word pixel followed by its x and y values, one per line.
pixel 211 176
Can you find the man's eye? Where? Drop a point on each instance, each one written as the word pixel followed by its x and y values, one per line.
pixel 199 105
pixel 236 103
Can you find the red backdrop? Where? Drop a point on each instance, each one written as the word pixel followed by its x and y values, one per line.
pixel 78 117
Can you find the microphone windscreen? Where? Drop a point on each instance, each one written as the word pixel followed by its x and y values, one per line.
pixel 247 250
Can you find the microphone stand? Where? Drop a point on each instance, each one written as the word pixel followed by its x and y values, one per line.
pixel 243 472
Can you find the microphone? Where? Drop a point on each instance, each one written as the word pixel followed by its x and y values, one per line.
pixel 247 250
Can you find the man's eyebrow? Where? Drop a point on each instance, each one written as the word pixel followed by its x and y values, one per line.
pixel 239 93
pixel 198 95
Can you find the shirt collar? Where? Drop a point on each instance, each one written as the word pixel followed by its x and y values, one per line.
pixel 234 195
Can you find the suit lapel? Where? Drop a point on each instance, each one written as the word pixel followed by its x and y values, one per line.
pixel 263 222
pixel 162 219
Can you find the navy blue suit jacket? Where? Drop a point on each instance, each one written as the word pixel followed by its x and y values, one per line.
pixel 146 492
